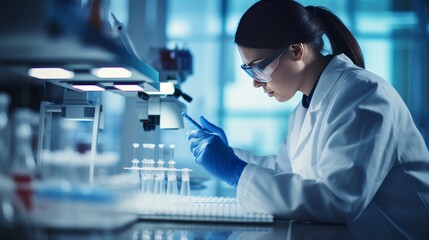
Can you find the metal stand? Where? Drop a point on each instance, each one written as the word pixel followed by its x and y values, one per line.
pixel 45 129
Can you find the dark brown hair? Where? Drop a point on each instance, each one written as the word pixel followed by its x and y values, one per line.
pixel 279 23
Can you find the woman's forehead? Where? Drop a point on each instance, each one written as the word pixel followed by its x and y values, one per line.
pixel 248 55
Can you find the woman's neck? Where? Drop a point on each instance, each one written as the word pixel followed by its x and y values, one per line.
pixel 316 63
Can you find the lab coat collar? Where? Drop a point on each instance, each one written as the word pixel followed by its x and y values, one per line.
pixel 329 76
pixel 327 79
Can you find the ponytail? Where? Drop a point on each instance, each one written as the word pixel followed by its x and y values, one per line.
pixel 279 23
pixel 341 39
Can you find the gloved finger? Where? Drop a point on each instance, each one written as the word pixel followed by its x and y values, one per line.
pixel 207 149
pixel 193 143
pixel 200 150
pixel 214 129
pixel 209 126
pixel 197 134
pixel 188 133
pixel 197 145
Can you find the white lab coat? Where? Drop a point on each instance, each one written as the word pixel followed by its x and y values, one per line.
pixel 354 152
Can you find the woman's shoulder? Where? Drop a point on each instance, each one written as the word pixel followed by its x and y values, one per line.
pixel 353 74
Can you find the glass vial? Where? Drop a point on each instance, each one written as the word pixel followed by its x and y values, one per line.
pixel 23 165
pixel 185 190
pixel 159 187
pixel 4 132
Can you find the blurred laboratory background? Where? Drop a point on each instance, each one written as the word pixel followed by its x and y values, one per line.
pixel 393 34
pixel 91 96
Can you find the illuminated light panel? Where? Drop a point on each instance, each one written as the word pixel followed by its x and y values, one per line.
pixel 50 73
pixel 88 88
pixel 165 88
pixel 129 87
pixel 111 72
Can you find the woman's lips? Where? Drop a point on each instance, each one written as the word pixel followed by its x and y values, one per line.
pixel 269 93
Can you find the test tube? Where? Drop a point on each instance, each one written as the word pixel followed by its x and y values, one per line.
pixel 183 235
pixel 145 160
pixel 151 162
pixel 144 171
pixel 171 162
pixel 135 161
pixel 171 176
pixel 159 184
pixel 185 190
pixel 150 172
pixel 159 187
pixel 172 146
pixel 160 161
pixel 159 234
pixel 171 183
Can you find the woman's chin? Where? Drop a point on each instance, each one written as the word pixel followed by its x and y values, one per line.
pixel 282 98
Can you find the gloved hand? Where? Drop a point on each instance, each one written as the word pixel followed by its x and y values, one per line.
pixel 215 156
pixel 214 129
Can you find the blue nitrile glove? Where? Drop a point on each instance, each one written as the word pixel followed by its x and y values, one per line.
pixel 215 156
pixel 214 129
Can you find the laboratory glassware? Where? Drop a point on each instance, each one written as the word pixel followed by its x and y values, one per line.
pixel 135 161
pixel 185 190
pixel 171 175
pixel 142 171
pixel 23 161
pixel 150 172
pixel 4 131
pixel 159 187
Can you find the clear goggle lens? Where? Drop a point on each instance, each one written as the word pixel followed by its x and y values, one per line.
pixel 262 72
pixel 264 75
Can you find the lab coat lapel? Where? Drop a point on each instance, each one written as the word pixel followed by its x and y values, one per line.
pixel 328 78
pixel 305 129
pixel 295 131
pixel 306 118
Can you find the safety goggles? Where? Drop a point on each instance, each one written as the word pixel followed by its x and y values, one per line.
pixel 262 71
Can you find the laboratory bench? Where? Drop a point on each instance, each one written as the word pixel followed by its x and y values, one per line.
pixel 83 218
pixel 121 227
pixel 182 230
pixel 142 229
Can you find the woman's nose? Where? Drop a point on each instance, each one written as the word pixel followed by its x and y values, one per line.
pixel 257 84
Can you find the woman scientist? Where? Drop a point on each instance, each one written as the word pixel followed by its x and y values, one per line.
pixel 352 147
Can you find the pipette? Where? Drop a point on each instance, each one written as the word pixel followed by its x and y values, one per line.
pixel 193 122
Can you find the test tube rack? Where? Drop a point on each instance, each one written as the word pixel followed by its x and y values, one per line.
pixel 166 169
pixel 195 208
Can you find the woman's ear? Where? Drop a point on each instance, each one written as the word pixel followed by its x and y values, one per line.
pixel 296 51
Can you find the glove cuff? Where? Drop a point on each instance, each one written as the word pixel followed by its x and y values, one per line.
pixel 236 173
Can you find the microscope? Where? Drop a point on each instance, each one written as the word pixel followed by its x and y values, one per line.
pixel 164 108
pixel 158 103
pixel 73 59
pixel 160 107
